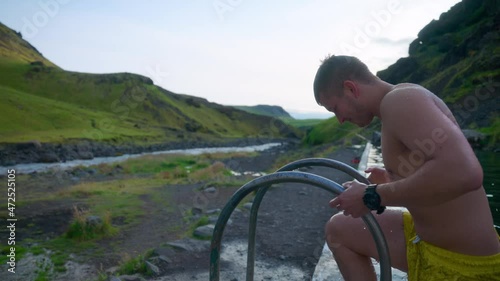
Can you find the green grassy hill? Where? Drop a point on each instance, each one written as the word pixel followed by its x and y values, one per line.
pixel 330 131
pixel 15 48
pixel 458 58
pixel 43 102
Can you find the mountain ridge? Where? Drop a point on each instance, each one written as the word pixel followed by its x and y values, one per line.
pixel 16 48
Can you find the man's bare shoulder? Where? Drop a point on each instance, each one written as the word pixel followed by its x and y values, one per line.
pixel 406 95
pixel 408 86
pixel 412 112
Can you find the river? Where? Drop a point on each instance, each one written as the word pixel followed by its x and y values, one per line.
pixel 43 167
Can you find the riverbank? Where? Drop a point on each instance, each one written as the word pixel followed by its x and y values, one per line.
pixel 36 152
pixel 61 166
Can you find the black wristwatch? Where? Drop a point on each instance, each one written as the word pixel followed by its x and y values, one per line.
pixel 372 199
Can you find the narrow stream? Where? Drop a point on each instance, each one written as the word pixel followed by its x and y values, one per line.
pixel 43 167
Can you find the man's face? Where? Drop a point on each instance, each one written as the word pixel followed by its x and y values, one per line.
pixel 346 107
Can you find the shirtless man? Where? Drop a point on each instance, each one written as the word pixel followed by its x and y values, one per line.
pixel 430 169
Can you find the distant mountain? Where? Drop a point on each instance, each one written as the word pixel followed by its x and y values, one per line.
pixel 42 102
pixel 458 58
pixel 310 115
pixel 304 124
pixel 279 112
pixel 266 110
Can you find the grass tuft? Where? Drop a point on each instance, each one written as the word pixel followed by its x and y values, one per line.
pixel 84 229
pixel 135 265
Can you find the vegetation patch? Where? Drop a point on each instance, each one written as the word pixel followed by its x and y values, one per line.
pixel 5 250
pixel 302 123
pixel 203 220
pixel 86 227
pixel 331 131
pixel 133 265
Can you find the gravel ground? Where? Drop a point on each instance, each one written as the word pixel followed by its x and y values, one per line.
pixel 290 234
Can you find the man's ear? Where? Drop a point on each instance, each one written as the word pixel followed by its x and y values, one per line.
pixel 351 87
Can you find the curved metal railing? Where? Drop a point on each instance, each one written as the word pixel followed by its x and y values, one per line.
pixel 283 175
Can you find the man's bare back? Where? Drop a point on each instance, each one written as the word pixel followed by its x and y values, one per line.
pixel 461 225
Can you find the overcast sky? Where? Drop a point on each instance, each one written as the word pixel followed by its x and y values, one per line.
pixel 232 52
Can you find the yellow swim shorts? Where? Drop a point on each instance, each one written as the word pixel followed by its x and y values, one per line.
pixel 427 262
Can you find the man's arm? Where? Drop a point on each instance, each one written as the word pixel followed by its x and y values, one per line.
pixel 444 164
pixel 378 175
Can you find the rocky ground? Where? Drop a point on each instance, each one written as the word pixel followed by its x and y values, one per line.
pixel 289 236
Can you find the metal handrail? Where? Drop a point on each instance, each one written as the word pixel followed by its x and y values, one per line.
pixel 262 184
pixel 383 250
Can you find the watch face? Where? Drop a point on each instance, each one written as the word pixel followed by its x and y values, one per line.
pixel 371 199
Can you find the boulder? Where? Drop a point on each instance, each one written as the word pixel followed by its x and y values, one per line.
pixel 93 221
pixel 190 245
pixel 153 268
pixel 475 138
pixel 212 212
pixel 210 190
pixel 205 231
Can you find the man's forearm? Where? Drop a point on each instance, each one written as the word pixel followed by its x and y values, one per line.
pixel 433 183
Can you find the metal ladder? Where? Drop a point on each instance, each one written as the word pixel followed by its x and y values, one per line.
pixel 286 174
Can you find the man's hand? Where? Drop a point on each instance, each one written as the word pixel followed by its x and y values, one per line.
pixel 378 175
pixel 351 200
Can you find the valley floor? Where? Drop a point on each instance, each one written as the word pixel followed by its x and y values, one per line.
pixel 289 236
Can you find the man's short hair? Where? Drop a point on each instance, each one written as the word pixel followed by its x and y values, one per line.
pixel 334 70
